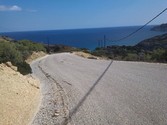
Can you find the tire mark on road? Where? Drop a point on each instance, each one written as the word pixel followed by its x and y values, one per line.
pixel 67 82
pixel 61 91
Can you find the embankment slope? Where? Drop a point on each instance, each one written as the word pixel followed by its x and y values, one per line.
pixel 19 96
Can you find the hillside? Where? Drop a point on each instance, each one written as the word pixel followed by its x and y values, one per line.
pixel 19 93
pixel 162 27
pixel 19 96
pixel 154 43
pixel 149 50
pixel 18 51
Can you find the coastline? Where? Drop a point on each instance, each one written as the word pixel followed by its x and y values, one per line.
pixel 85 38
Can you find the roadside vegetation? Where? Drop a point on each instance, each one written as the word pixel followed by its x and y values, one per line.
pixel 129 53
pixel 58 48
pixel 149 50
pixel 17 52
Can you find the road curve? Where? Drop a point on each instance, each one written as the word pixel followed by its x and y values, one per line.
pixel 79 91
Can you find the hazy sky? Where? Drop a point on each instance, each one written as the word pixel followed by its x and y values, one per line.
pixel 23 15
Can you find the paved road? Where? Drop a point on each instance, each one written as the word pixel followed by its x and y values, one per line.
pixel 101 92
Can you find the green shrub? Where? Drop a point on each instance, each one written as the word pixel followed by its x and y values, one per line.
pixel 27 47
pixel 18 52
pixel 24 68
pixel 99 52
pixel 131 57
pixel 159 55
pixel 8 52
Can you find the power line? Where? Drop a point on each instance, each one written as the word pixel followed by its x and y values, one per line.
pixel 140 27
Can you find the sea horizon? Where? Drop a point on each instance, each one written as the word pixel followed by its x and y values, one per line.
pixel 86 37
pixel 82 28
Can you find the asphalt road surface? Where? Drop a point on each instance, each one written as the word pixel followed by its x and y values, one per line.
pixel 79 91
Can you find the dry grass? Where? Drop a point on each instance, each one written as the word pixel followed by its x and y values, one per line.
pixel 34 56
pixel 85 55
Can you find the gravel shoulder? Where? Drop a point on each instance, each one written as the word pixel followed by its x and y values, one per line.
pixel 81 91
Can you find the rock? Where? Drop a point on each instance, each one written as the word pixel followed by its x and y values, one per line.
pixel 56 114
pixel 9 64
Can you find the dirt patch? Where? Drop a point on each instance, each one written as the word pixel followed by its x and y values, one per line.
pixel 19 96
pixel 86 55
pixel 34 56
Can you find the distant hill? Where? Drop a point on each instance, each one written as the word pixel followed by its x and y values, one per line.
pixel 154 43
pixel 149 50
pixel 162 27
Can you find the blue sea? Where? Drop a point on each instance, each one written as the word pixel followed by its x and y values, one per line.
pixel 86 38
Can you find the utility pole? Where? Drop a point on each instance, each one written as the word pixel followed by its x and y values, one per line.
pixel 104 41
pixel 48 48
pixel 101 42
pixel 98 43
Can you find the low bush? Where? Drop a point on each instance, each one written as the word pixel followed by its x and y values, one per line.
pixel 132 53
pixel 159 55
pixel 8 52
pixel 24 68
pixel 17 53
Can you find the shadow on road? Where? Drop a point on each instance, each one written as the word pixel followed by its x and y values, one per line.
pixel 75 109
